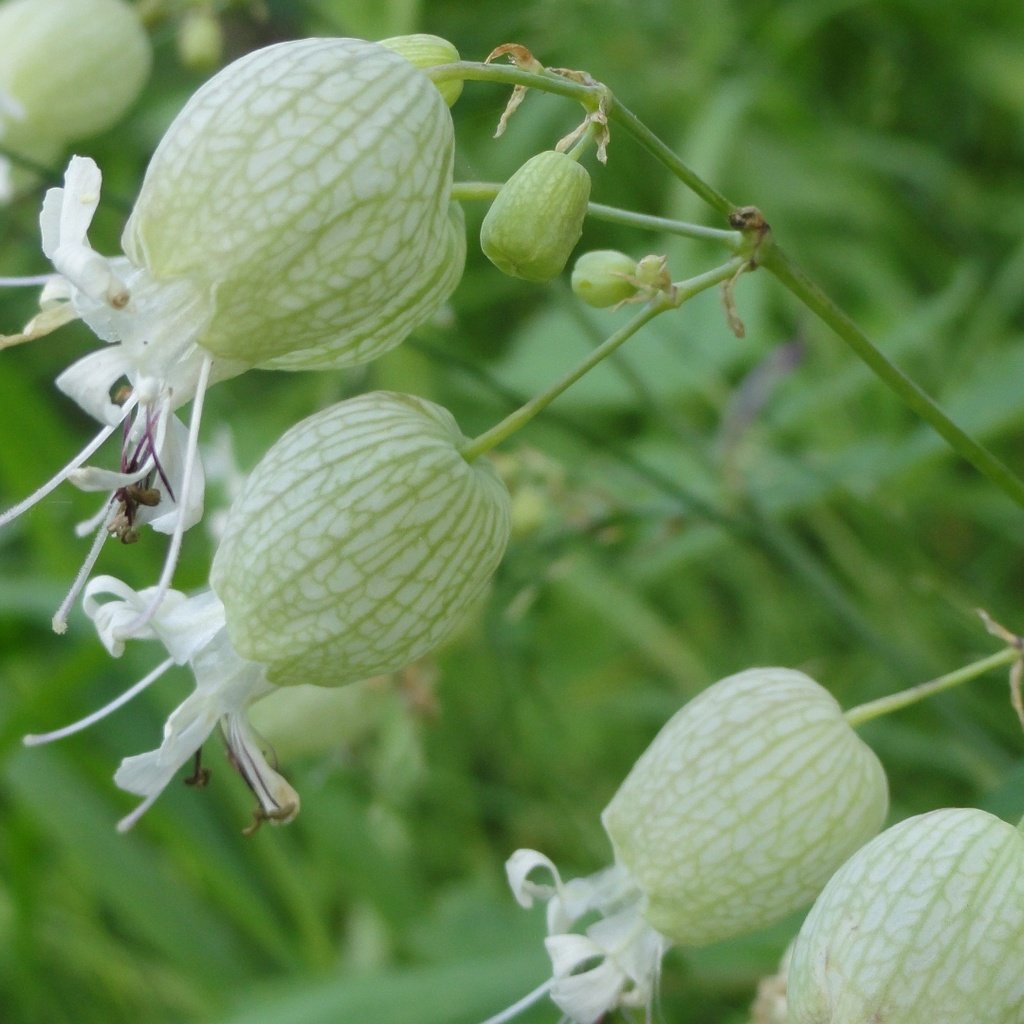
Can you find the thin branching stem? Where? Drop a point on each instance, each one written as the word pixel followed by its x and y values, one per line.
pixel 474 191
pixel 772 259
pixel 659 304
pixel 793 278
pixel 896 701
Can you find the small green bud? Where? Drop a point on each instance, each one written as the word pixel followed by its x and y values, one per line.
pixel 68 68
pixel 427 51
pixel 359 542
pixel 603 277
pixel 200 39
pixel 924 925
pixel 744 805
pixel 536 219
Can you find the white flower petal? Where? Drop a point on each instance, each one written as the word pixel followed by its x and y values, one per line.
pixel 587 996
pixel 49 221
pixel 92 478
pixel 64 224
pixel 88 381
pixel 225 686
pixel 82 181
pixel 171 455
pixel 185 732
pixel 519 866
pixel 187 628
pixel 570 951
pixel 279 802
pixel 110 616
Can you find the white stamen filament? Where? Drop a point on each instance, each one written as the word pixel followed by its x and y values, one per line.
pixel 55 481
pixel 35 740
pixel 59 622
pixel 523 1004
pixel 27 282
pixel 174 548
pixel 87 526
pixel 128 822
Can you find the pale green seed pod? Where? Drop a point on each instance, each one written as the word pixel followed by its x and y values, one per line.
pixel 427 51
pixel 744 805
pixel 603 277
pixel 536 219
pixel 68 69
pixel 304 192
pixel 359 542
pixel 924 925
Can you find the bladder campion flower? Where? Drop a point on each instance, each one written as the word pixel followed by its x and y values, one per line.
pixel 68 69
pixel 738 812
pixel 372 536
pixel 295 215
pixel 924 925
pixel 357 545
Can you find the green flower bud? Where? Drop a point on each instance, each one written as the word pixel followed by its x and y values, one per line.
pixel 68 69
pixel 744 805
pixel 303 193
pixel 924 925
pixel 200 39
pixel 602 277
pixel 427 51
pixel 536 219
pixel 359 542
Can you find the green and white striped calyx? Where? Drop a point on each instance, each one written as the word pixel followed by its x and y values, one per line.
pixel 359 542
pixel 68 69
pixel 745 803
pixel 304 190
pixel 924 925
pixel 296 215
pixel 535 221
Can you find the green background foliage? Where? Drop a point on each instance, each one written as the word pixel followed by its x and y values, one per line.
pixel 698 505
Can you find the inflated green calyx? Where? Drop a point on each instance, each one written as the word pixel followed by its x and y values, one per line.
pixel 359 542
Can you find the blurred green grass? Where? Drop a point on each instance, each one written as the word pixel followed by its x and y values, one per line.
pixel 696 507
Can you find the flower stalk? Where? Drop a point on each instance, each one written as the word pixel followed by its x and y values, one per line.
pixel 904 698
pixel 774 259
pixel 664 301
pixel 485 191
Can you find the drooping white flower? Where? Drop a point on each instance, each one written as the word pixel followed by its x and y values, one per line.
pixel 737 814
pixel 192 629
pixel 295 215
pixel 356 546
pixel 68 69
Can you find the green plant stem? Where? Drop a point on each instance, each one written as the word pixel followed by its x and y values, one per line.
pixel 771 257
pixel 474 191
pixel 662 302
pixel 508 74
pixel 895 701
pixel 645 138
pixel 592 97
pixel 793 278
